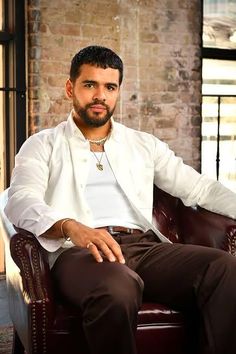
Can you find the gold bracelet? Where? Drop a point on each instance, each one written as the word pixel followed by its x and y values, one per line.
pixel 67 238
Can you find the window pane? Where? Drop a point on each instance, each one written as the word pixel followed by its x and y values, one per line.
pixel 219 77
pixel 219 24
pixel 1 15
pixel 209 135
pixel 226 108
pixel 227 171
pixel 219 82
pixel 2 127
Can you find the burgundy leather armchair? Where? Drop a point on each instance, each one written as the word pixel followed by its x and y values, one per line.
pixel 43 324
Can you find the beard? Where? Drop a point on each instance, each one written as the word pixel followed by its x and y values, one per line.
pixel 93 119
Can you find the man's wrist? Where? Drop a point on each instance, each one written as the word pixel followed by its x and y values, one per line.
pixel 64 229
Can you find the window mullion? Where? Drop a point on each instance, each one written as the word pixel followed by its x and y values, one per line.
pixel 20 80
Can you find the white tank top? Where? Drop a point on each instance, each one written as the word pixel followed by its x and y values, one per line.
pixel 108 203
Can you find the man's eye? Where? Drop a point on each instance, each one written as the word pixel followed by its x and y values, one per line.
pixel 88 85
pixel 110 88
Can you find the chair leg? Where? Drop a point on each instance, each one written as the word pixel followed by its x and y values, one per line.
pixel 17 346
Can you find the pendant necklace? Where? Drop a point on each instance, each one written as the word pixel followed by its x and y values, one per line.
pixel 98 164
pixel 99 142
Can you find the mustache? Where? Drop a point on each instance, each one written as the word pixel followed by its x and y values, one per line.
pixel 97 102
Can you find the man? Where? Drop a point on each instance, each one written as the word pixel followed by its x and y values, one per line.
pixel 84 188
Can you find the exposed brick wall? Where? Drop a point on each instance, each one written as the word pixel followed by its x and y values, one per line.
pixel 159 41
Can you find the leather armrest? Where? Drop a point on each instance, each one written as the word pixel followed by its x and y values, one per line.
pixel 193 225
pixel 31 259
pixel 30 294
pixel 202 227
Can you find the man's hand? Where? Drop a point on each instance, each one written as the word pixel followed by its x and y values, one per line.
pixel 99 242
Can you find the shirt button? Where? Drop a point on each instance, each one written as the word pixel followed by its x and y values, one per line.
pixel 85 160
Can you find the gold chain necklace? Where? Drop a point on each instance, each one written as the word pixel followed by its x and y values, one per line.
pixel 98 142
pixel 98 164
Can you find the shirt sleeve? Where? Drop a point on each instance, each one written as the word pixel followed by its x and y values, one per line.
pixel 193 188
pixel 26 207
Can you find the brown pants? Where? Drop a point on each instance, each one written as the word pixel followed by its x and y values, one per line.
pixel 190 278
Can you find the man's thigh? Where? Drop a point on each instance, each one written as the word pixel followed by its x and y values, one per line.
pixel 77 275
pixel 172 273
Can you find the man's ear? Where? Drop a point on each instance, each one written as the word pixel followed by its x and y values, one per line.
pixel 69 88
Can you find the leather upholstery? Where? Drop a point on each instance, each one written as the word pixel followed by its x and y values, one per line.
pixel 43 324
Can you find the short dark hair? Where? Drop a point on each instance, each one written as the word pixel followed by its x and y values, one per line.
pixel 101 57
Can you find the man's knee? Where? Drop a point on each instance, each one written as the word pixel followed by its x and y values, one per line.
pixel 124 285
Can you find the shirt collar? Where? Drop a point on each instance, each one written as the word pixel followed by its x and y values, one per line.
pixel 71 129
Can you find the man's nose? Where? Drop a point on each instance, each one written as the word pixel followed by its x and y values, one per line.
pixel 100 94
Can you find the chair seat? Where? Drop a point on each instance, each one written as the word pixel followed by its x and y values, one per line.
pixel 160 329
pixel 154 313
pixel 150 314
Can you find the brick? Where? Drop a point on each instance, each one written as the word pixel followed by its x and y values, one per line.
pixel 34 40
pixel 34 53
pixel 33 27
pixel 65 29
pixel 55 15
pixel 55 94
pixel 34 106
pixel 33 3
pixel 166 134
pixel 168 98
pixel 34 81
pixel 34 14
pixel 57 81
pixel 34 67
pixel 33 94
pixel 55 54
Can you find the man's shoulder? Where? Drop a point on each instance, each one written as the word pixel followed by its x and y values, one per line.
pixel 44 141
pixel 51 132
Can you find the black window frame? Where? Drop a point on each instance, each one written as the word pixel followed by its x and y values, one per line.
pixel 219 54
pixel 12 37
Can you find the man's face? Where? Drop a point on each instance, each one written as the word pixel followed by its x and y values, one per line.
pixel 94 94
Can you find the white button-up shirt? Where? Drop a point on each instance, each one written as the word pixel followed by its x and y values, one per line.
pixel 51 171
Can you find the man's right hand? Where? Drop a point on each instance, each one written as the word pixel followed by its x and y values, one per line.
pixel 98 241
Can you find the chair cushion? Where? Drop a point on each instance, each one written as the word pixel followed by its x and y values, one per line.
pixel 161 330
pixel 150 314
pixel 154 314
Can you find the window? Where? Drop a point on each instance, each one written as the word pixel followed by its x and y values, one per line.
pixel 219 121
pixel 12 84
pixel 12 90
pixel 218 155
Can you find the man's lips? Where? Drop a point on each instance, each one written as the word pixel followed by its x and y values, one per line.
pixel 98 108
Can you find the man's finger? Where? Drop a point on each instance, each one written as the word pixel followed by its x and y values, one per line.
pixel 116 250
pixel 107 252
pixel 94 251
